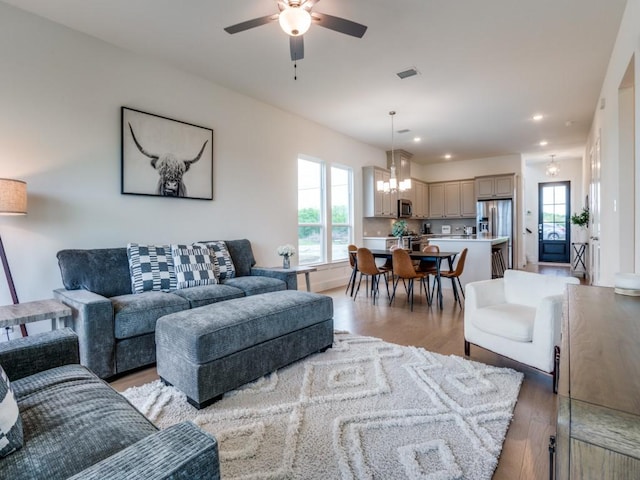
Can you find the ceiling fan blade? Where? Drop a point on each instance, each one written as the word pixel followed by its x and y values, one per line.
pixel 256 22
pixel 296 45
pixel 338 24
pixel 308 4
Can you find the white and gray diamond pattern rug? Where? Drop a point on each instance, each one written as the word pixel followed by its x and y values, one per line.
pixel 364 409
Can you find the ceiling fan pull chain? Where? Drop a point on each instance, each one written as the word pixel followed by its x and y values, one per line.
pixel 295 70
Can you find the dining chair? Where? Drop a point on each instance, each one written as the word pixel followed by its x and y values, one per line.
pixel 455 275
pixel 367 266
pixel 429 266
pixel 403 269
pixel 351 251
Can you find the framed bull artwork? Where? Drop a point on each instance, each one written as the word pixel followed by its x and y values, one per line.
pixel 164 157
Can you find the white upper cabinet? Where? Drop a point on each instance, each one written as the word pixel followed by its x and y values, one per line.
pixel 377 204
pixel 495 187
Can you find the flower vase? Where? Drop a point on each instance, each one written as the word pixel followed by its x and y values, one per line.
pixel 285 262
pixel 400 243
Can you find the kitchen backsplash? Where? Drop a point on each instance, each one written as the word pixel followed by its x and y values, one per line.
pixel 381 227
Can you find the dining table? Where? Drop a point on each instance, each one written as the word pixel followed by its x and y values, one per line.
pixel 433 256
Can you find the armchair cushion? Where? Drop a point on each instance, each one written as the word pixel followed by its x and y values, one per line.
pixel 511 321
pixel 59 409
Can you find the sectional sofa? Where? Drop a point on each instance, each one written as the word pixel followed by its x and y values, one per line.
pixel 116 327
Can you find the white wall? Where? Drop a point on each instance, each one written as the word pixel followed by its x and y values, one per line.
pixel 61 93
pixel 606 127
pixel 534 174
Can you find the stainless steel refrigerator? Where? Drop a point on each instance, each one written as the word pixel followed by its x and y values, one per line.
pixel 495 217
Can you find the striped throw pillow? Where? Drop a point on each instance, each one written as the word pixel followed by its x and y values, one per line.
pixel 226 268
pixel 151 268
pixel 10 423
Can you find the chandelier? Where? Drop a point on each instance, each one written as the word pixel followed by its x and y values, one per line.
pixel 552 168
pixel 393 185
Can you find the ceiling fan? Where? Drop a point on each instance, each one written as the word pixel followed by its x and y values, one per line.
pixel 295 18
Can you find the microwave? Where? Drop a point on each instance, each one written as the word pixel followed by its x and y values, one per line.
pixel 404 208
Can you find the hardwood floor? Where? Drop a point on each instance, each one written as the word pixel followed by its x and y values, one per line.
pixel 525 453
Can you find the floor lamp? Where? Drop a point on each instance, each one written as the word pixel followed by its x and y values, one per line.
pixel 13 201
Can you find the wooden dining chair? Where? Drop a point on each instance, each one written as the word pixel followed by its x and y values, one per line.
pixel 455 275
pixel 351 251
pixel 403 269
pixel 367 267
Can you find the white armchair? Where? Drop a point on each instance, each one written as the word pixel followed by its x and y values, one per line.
pixel 518 316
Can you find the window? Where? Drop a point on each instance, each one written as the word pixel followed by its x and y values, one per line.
pixel 324 238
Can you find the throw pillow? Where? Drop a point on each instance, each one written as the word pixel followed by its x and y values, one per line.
pixel 151 268
pixel 226 268
pixel 10 422
pixel 194 266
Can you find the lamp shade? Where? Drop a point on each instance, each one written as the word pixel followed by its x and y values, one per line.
pixel 294 21
pixel 13 197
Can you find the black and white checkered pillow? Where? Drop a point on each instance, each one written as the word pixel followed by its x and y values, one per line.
pixel 194 265
pixel 10 423
pixel 151 268
pixel 225 263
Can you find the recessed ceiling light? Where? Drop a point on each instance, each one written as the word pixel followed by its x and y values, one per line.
pixel 417 139
pixel 544 143
pixel 447 156
pixel 537 117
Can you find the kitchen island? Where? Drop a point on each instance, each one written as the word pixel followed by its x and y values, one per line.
pixel 478 265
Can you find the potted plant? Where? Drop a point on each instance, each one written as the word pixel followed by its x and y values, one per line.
pixel 398 229
pixel 581 220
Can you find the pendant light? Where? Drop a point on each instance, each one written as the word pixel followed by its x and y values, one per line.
pixel 552 168
pixel 394 184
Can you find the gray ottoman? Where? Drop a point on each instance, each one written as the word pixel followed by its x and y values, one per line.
pixel 210 350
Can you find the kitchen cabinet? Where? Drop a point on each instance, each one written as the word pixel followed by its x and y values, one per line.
pixel 501 186
pixel 467 198
pixel 436 200
pixel 420 199
pixel 452 199
pixel 598 425
pixel 377 204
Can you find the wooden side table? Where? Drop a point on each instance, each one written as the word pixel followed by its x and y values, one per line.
pixel 298 270
pixel 28 312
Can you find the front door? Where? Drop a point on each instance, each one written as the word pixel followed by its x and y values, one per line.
pixel 553 222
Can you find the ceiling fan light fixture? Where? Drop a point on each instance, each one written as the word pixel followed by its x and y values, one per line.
pixel 295 21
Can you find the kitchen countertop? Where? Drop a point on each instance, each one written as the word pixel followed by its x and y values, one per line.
pixel 436 236
pixel 469 238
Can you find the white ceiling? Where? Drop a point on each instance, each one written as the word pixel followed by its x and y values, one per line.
pixel 486 66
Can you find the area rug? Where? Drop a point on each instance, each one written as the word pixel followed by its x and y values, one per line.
pixel 363 409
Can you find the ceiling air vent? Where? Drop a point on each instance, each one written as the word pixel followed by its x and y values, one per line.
pixel 404 130
pixel 407 73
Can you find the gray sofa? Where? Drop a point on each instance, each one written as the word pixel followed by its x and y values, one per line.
pixel 116 328
pixel 76 426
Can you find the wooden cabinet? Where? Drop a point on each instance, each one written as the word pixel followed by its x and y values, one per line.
pixel 420 199
pixel 467 198
pixel 598 428
pixel 452 199
pixel 436 200
pixel 377 204
pixel 495 187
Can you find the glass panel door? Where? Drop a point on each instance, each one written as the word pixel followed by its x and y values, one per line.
pixel 553 223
